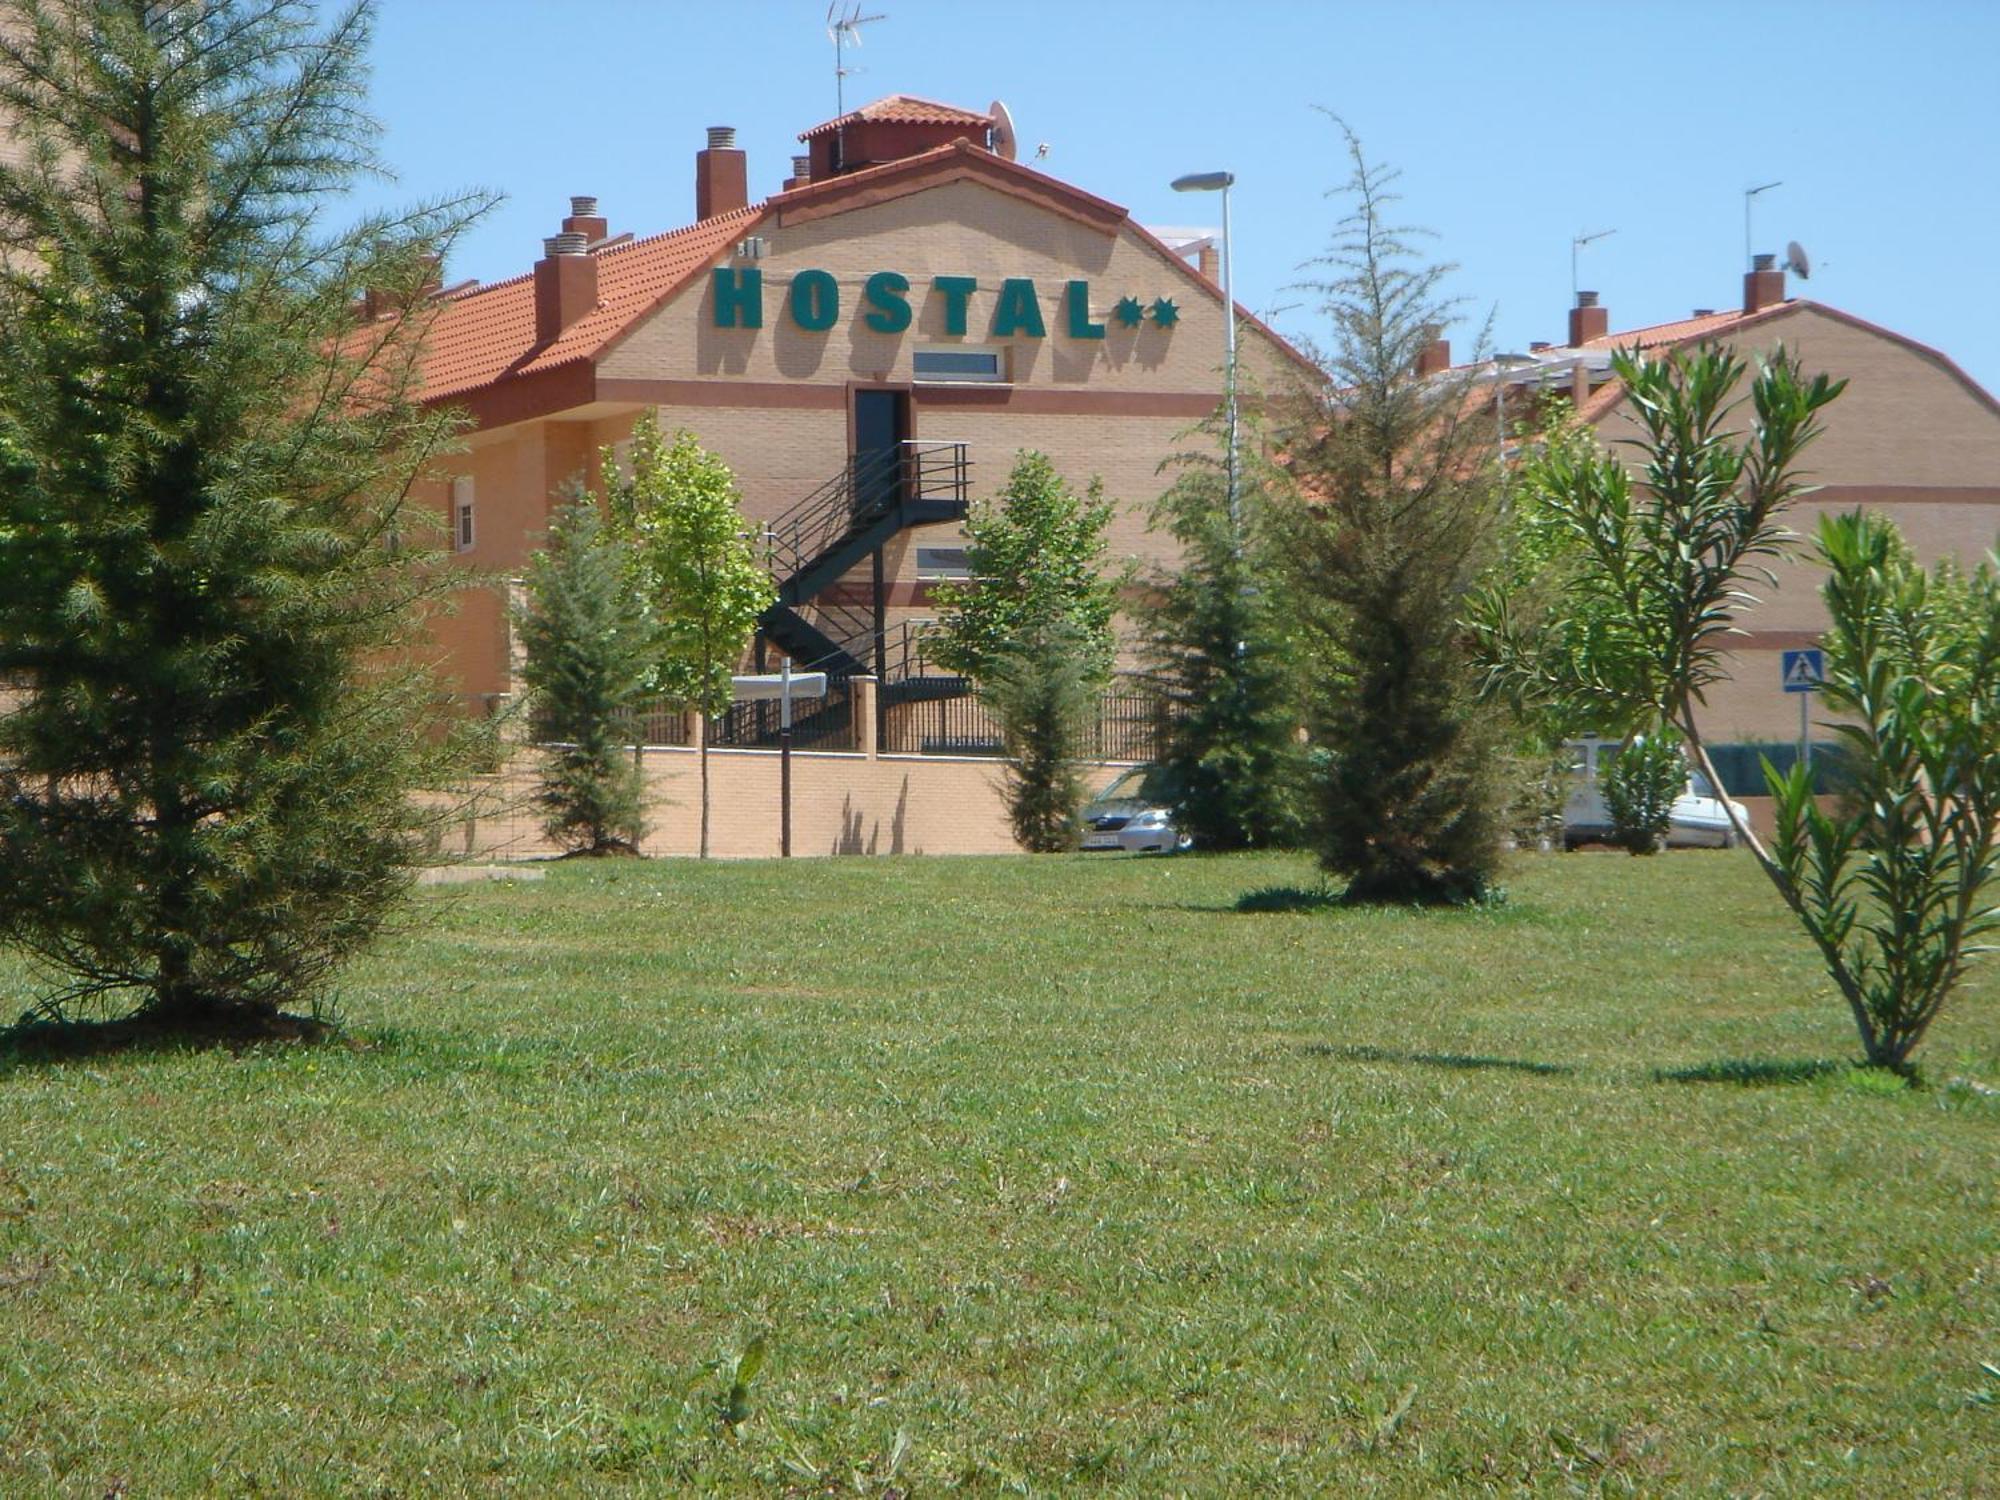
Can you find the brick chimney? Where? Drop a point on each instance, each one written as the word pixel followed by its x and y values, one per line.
pixel 584 219
pixel 1208 261
pixel 1435 357
pixel 1763 284
pixel 1587 320
pixel 801 173
pixel 565 284
pixel 721 175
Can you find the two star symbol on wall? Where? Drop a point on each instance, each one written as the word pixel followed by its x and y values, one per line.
pixel 1131 312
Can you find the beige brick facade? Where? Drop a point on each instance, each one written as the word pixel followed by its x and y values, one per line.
pixel 774 402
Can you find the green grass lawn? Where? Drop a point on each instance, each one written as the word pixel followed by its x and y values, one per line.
pixel 1036 1176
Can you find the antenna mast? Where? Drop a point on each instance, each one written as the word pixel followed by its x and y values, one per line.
pixel 843 26
pixel 1575 245
pixel 1749 253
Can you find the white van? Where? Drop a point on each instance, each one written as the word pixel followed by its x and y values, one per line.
pixel 1700 814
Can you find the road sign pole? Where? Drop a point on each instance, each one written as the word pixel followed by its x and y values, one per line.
pixel 785 764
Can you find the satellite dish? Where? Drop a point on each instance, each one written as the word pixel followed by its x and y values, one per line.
pixel 1005 143
pixel 1796 261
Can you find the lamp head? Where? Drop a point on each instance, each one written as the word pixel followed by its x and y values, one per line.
pixel 1203 182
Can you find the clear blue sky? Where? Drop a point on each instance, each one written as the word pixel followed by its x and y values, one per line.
pixel 1515 124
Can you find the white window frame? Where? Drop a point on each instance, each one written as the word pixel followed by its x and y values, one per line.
pixel 464 530
pixel 1001 373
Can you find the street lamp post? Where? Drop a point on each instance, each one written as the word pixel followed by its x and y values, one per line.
pixel 1210 182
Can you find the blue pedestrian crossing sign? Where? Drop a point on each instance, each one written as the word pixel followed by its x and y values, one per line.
pixel 1804 671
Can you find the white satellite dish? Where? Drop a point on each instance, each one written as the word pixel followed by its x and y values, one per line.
pixel 1796 261
pixel 1005 142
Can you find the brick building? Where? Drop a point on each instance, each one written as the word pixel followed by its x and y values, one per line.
pixel 867 349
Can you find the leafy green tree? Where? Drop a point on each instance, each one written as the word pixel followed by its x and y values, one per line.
pixel 1893 884
pixel 1042 689
pixel 697 569
pixel 590 655
pixel 1395 525
pixel 1660 569
pixel 1032 627
pixel 212 743
pixel 1215 645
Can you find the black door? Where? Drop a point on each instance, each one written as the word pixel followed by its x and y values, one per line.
pixel 881 423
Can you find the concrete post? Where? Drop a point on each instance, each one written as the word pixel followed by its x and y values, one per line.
pixel 865 690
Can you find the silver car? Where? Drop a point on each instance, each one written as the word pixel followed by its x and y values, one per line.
pixel 1700 815
pixel 1134 813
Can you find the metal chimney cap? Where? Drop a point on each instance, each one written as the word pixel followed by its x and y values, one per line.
pixel 1586 299
pixel 1764 262
pixel 722 137
pixel 570 242
pixel 582 208
pixel 801 165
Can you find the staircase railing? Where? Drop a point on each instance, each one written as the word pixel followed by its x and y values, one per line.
pixel 867 487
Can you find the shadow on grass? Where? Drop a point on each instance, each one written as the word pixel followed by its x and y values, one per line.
pixel 1465 1060
pixel 1753 1072
pixel 1267 898
pixel 40 1041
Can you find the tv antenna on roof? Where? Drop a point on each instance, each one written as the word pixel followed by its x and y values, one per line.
pixel 1575 245
pixel 1796 260
pixel 1749 253
pixel 843 29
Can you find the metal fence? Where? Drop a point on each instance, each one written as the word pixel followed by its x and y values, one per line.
pixel 650 724
pixel 1126 725
pixel 817 723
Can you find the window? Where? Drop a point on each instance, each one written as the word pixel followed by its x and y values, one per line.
pixel 942 562
pixel 461 512
pixel 986 366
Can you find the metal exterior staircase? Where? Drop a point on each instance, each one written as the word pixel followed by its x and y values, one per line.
pixel 853 515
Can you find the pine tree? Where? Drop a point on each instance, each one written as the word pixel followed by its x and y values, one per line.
pixel 210 746
pixel 590 653
pixel 1033 629
pixel 1395 527
pixel 1215 647
pixel 697 567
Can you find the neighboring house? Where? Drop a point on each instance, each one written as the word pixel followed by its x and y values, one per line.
pixel 867 349
pixel 1913 436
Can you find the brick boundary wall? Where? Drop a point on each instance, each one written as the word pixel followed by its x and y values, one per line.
pixel 843 802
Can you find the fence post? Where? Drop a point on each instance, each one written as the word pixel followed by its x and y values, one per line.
pixel 862 706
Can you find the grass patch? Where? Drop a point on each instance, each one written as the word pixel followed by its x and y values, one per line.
pixel 1018 1176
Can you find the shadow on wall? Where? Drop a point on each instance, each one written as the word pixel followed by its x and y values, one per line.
pixel 849 839
pixel 852 840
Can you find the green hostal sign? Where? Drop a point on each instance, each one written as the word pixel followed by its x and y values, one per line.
pixel 812 302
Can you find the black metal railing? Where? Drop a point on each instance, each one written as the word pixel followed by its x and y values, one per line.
pixel 817 723
pixel 1128 723
pixel 868 486
pixel 652 723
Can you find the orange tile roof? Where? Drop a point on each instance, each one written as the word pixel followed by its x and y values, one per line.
pixel 903 109
pixel 1658 335
pixel 489 332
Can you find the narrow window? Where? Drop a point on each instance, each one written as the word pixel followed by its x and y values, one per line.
pixel 983 366
pixel 461 512
pixel 942 562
